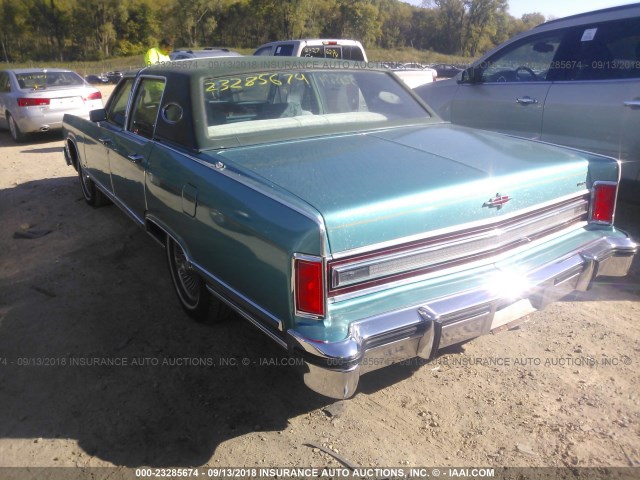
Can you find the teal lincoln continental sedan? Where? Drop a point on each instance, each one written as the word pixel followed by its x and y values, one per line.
pixel 330 207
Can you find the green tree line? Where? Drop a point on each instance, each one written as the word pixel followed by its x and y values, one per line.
pixel 69 30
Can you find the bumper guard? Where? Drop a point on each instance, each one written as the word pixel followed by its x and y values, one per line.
pixel 334 369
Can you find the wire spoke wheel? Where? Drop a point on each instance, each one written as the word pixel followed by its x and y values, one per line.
pixel 189 280
pixel 188 284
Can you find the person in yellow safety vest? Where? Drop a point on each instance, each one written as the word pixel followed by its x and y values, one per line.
pixel 160 54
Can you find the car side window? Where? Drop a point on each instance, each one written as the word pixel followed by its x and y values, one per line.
pixel 146 104
pixel 526 61
pixel 264 51
pixel 352 52
pixel 117 107
pixel 284 50
pixel 605 51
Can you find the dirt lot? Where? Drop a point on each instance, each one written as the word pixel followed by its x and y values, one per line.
pixel 560 390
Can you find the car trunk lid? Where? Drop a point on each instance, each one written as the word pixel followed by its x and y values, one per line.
pixel 386 185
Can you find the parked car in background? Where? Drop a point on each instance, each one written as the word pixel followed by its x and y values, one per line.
pixel 391 65
pixel 446 70
pixel 333 210
pixel 114 77
pixel 96 79
pixel 35 100
pixel 574 81
pixel 412 66
pixel 316 48
pixel 181 54
pixel 415 74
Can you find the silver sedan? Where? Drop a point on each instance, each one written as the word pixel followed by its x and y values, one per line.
pixel 34 100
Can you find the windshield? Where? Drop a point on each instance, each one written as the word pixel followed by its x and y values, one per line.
pixel 296 100
pixel 42 80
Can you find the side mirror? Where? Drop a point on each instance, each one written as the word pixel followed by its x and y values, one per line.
pixel 99 115
pixel 470 75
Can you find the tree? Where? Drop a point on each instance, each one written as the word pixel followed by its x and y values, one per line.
pixel 14 30
pixel 51 18
pixel 468 27
pixel 531 20
pixel 94 26
pixel 480 23
pixel 360 20
pixel 450 24
pixel 193 18
pixel 287 18
pixel 397 26
pixel 137 29
pixel 95 29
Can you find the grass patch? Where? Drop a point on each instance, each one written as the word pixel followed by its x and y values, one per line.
pixel 125 64
pixel 408 54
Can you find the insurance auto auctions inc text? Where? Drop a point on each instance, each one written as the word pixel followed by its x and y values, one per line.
pixel 328 473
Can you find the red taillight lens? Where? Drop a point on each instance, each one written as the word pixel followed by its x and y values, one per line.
pixel 32 102
pixel 309 287
pixel 93 96
pixel 603 204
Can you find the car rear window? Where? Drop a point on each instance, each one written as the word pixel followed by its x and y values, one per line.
pixel 272 101
pixel 41 80
pixel 346 52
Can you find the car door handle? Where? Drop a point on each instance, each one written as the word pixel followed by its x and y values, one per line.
pixel 526 100
pixel 135 157
pixel 632 103
pixel 105 141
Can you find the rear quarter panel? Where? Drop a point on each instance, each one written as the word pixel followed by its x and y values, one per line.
pixel 239 235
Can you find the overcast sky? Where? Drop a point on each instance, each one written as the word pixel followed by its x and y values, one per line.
pixel 555 8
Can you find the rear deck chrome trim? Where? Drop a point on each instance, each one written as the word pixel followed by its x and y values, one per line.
pixel 449 230
pixel 459 249
pixel 455 248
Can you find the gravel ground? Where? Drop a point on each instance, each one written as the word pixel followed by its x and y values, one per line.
pixel 560 390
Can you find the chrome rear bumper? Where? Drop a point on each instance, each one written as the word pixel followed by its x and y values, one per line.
pixel 334 369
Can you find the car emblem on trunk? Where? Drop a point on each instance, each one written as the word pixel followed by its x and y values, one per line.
pixel 497 202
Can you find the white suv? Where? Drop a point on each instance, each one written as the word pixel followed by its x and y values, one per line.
pixel 315 47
